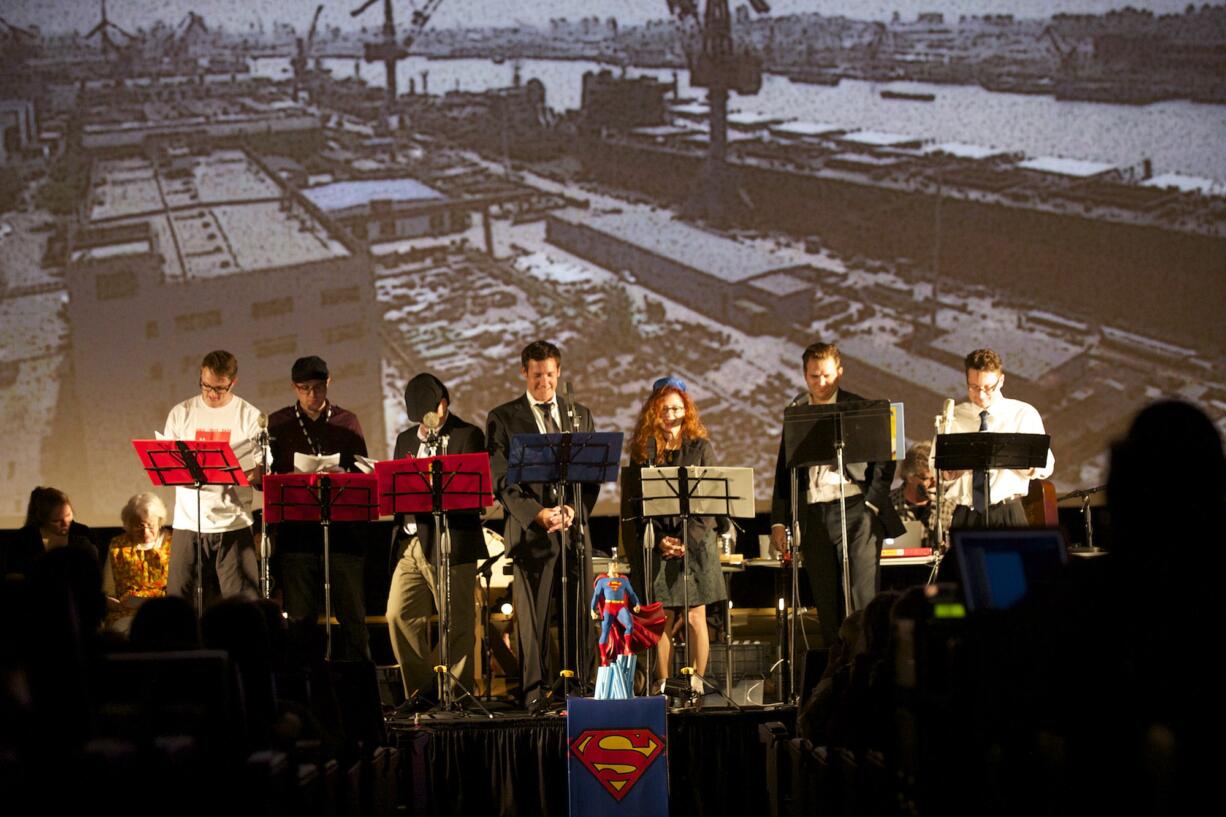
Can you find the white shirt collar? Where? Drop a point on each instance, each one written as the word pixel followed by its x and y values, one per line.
pixel 553 403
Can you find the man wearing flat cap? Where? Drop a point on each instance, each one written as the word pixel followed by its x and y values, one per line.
pixel 324 432
pixel 414 591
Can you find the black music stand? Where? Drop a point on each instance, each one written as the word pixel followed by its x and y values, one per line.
pixel 322 498
pixel 831 434
pixel 571 458
pixel 194 463
pixel 439 485
pixel 988 451
pixel 706 491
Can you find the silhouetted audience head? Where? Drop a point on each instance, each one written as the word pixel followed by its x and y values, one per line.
pixel 876 627
pixel 1168 441
pixel 165 624
pixel 239 627
pixel 70 579
pixel 913 605
pixel 849 631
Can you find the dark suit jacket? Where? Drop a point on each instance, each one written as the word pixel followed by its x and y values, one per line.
pixel 467 538
pixel 522 503
pixel 24 547
pixel 875 483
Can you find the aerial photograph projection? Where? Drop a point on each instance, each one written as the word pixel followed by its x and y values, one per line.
pixel 318 241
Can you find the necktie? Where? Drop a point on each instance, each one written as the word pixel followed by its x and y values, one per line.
pixel 979 480
pixel 546 409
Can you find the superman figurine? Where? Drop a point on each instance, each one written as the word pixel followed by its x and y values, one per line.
pixel 622 632
pixel 618 596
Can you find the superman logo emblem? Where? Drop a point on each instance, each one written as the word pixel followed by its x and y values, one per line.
pixel 617 757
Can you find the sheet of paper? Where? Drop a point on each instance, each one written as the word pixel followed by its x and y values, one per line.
pixel 311 464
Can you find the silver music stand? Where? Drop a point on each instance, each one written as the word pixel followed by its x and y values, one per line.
pixel 687 490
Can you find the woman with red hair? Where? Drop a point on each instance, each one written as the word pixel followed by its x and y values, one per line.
pixel 669 432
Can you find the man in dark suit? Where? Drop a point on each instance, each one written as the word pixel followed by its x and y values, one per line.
pixel 866 488
pixel 536 519
pixel 414 587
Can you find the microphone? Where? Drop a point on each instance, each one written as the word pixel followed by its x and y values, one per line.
pixel 570 404
pixel 262 438
pixel 651 450
pixel 432 422
pixel 947 412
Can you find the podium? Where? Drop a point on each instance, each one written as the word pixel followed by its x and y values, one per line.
pixel 194 463
pixel 438 485
pixel 988 451
pixel 323 498
pixel 567 461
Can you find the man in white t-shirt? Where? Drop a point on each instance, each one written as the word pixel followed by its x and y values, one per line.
pixel 231 567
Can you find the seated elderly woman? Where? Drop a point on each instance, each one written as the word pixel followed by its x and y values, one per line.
pixel 136 561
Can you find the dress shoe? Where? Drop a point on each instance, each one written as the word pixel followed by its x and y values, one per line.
pixel 538 705
pixel 414 705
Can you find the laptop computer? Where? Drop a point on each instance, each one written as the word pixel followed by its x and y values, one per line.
pixel 998 568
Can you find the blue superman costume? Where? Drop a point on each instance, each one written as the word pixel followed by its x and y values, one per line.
pixel 614 601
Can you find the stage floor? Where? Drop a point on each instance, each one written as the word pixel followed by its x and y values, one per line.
pixel 514 764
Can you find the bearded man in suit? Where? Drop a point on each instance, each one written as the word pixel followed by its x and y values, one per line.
pixel 866 488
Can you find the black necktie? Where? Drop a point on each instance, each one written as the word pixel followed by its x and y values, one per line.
pixel 979 481
pixel 547 410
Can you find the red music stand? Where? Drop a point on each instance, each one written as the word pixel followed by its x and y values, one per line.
pixel 322 498
pixel 436 485
pixel 405 486
pixel 194 463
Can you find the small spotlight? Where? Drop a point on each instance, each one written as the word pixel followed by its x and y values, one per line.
pixel 284 614
pixel 506 608
pixel 781 604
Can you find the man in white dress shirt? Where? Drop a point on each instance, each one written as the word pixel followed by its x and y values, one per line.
pixel 989 410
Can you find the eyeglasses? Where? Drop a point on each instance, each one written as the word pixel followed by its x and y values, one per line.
pixel 672 410
pixel 318 388
pixel 215 390
pixel 972 388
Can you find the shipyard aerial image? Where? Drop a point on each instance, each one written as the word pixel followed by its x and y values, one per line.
pixel 406 187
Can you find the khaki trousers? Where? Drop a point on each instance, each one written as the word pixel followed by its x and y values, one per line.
pixel 413 596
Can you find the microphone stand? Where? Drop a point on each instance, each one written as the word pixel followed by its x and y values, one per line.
pixel 580 620
pixel 263 440
pixel 648 545
pixel 325 519
pixel 941 426
pixel 199 480
pixel 689 670
pixel 485 571
pixel 448 683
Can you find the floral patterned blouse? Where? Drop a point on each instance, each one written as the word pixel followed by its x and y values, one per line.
pixel 137 571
